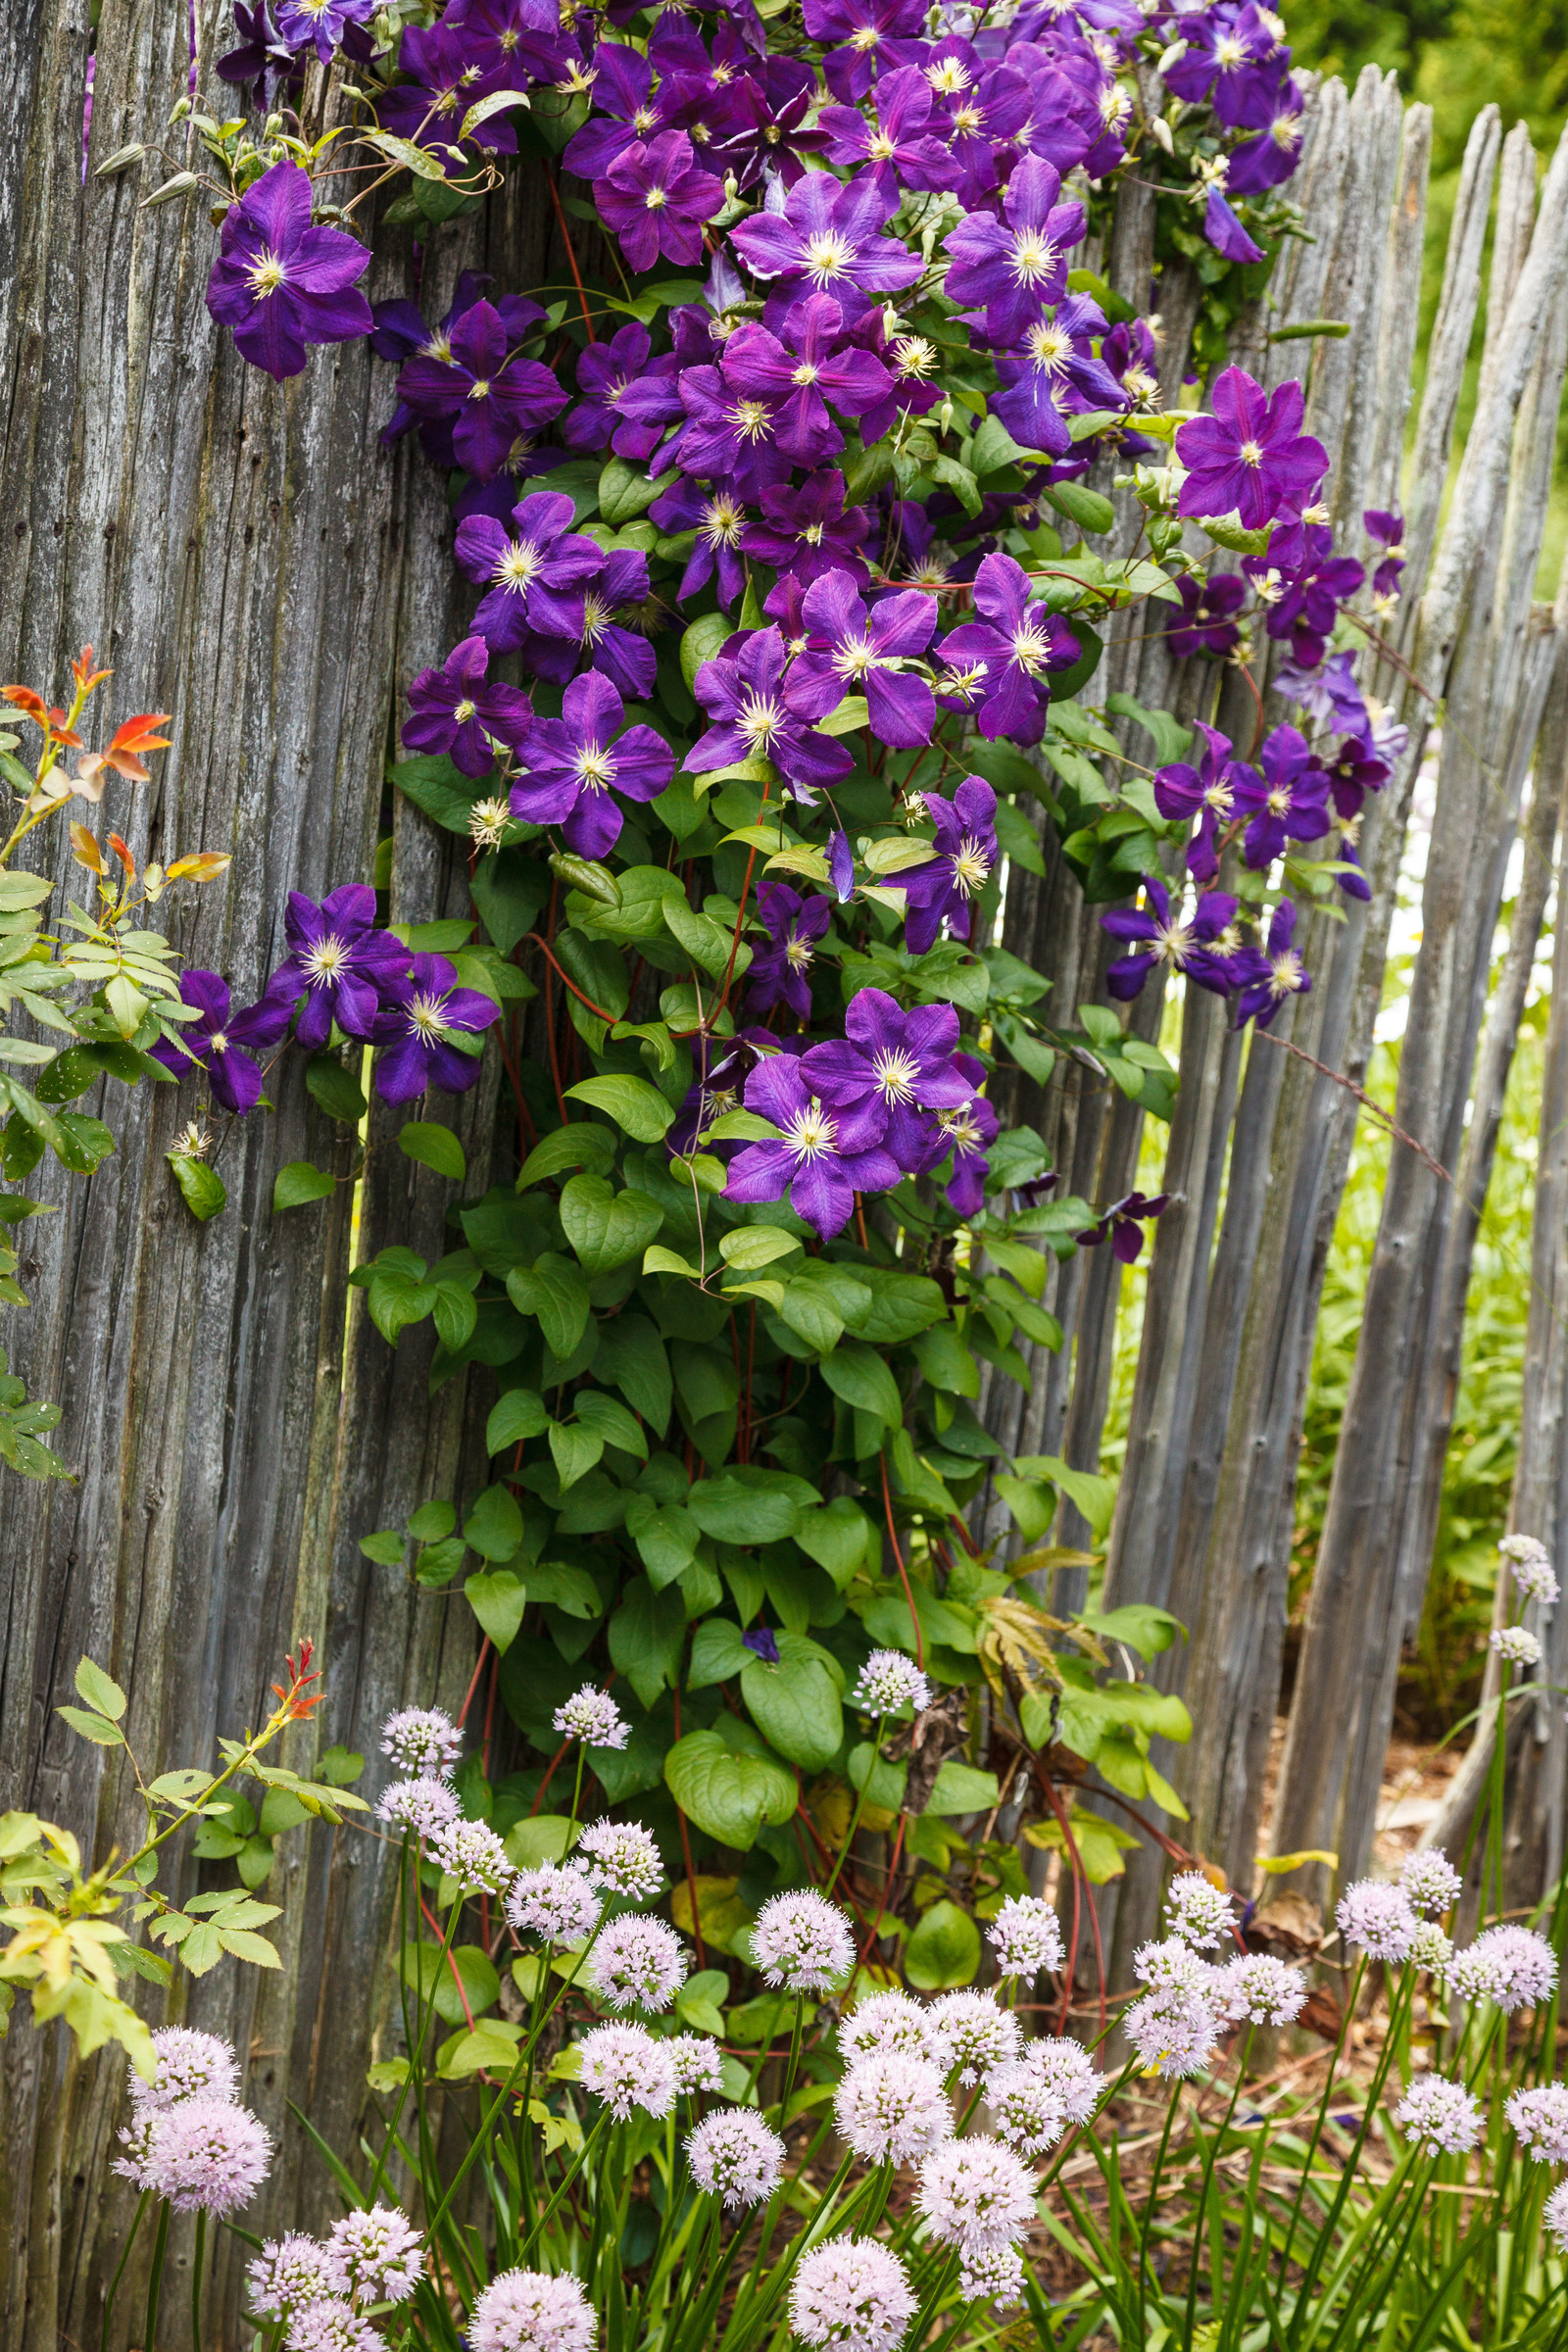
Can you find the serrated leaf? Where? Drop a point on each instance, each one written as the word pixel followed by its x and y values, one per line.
pixel 95 1728
pixel 100 1690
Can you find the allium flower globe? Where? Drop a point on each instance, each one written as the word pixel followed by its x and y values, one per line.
pixel 1430 1884
pixel 1067 2068
pixel 190 2065
pixel 990 2273
pixel 1028 2113
pixel 974 2034
pixel 626 2067
pixel 802 1944
pixel 421 1806
pixel 889 1681
pixel 331 2324
pixel 620 1858
pixel 1263 1990
pixel 637 1963
pixel 1531 1565
pixel 1376 1917
pixel 422 1739
pixel 1516 1645
pixel 976 2192
pixel 556 1904
pixel 204 2155
pixel 376 2255
pixel 887 2021
pixel 734 2155
pixel 892 2109
pixel 287 2272
pixel 1554 2214
pixel 1172 1963
pixel 593 1717
pixel 1540 2122
pixel 1430 1948
pixel 852 2295
pixel 471 1853
pixel 1026 1939
pixel 530 2311
pixel 1511 1967
pixel 1442 2113
pixel 1198 1912
pixel 699 2063
pixel 1173 2032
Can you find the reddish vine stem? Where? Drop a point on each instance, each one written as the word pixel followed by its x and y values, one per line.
pixel 1377 1110
pixel 1080 1878
pixel 887 1883
pixel 550 1770
pixel 597 1010
pixel 479 1669
pixel 904 1574
pixel 457 1972
pixel 550 1016
pixel 572 253
pixel 740 911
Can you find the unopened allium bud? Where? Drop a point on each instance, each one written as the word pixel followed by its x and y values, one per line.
pixel 890 1680
pixel 1430 1948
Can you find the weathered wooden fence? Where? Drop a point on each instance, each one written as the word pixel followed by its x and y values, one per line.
pixel 247 556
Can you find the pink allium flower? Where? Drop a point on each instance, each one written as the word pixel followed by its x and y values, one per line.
pixel 1026 1937
pixel 975 2192
pixel 329 2325
pixel 1029 2113
pixel 1173 1965
pixel 1555 2216
pixel 1430 1884
pixel 887 2021
pixel 377 2256
pixel 1066 2067
pixel 556 1905
pixel 1264 1989
pixel 287 2272
pixel 734 2155
pixel 620 1858
pixel 890 1680
pixel 637 1963
pixel 1511 1967
pixel 204 2155
pixel 991 2274
pixel 1516 1645
pixel 1379 1918
pixel 422 1807
pixel 593 1717
pixel 1199 1912
pixel 626 2067
pixel 1441 2112
pixel 1531 1567
pixel 851 2294
pixel 424 1740
pixel 529 2311
pixel 1540 2121
pixel 974 2034
pixel 1173 2031
pixel 699 2063
pixel 892 2109
pixel 471 1853
pixel 190 2065
pixel 803 1942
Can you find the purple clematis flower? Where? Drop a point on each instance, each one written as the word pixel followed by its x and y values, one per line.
pixel 221 1043
pixel 300 23
pixel 894 1064
pixel 944 888
pixel 979 106
pixel 1056 375
pixel 657 199
pixel 1304 601
pixel 571 624
pixel 863 30
pixel 489 395
pixel 1013 647
pixel 894 138
pixel 1196 944
pixel 1017 267
pixel 263 55
pixel 968 1134
pixel 805 533
pixel 861 654
pixel 1250 456
pixel 513 42
pixel 728 433
pixel 762 1643
pixel 717 514
pixel 1387 530
pixel 1330 695
pixel 799 371
pixel 1287 802
pixel 445 80
pixel 1224 228
pixel 1271 154
pixel 419 1007
pixel 576 762
pixel 281 284
pixel 743 694
pixel 824 1157
pixel 339 962
pixel 1206 792
pixel 1207 624
pixel 765 126
pixel 722 1066
pixel 824 239
pixel 1232 54
pixel 456 712
pixel 780 971
pixel 604 373
pixel 1270 974
pixel 626 110
pixel 1122 1225
pixel 541 555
